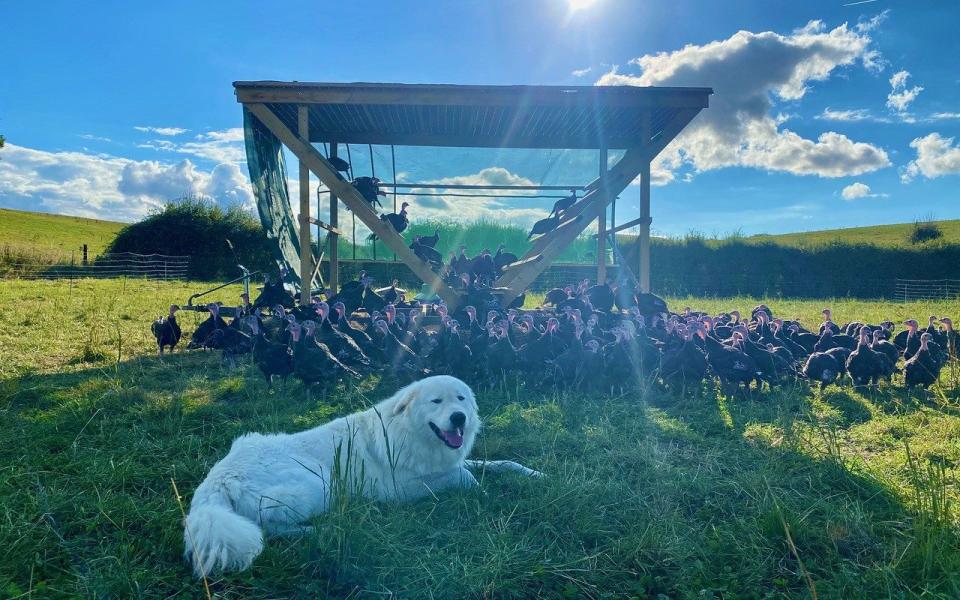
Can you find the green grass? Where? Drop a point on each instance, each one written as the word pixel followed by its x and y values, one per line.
pixel 57 237
pixel 878 235
pixel 649 494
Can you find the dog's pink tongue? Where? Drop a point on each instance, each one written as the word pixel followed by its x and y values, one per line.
pixel 454 438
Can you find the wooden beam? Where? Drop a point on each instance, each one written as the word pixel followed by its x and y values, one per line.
pixel 526 275
pixel 644 241
pixel 520 263
pixel 354 201
pixel 614 140
pixel 462 95
pixel 617 179
pixel 322 225
pixel 602 227
pixel 334 238
pixel 627 225
pixel 306 252
pixel 647 149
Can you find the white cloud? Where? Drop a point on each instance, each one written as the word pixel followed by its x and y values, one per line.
pixel 515 210
pixel 900 97
pixel 859 190
pixel 223 146
pixel 856 114
pixel 746 71
pixel 109 187
pixel 936 156
pixel 581 72
pixel 945 116
pixel 234 134
pixel 873 22
pixel 95 138
pixel 445 207
pixel 169 131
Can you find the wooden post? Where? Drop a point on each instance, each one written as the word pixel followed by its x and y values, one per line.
pixel 644 271
pixel 84 255
pixel 306 252
pixel 333 237
pixel 349 195
pixel 602 227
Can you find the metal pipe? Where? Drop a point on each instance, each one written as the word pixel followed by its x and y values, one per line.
pixel 456 195
pixel 190 305
pixel 451 186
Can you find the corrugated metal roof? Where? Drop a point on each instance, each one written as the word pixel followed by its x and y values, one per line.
pixel 476 116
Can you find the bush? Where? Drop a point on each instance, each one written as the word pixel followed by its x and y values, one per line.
pixel 196 227
pixel 925 231
pixel 730 268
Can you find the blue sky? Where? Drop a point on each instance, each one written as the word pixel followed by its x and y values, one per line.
pixel 825 114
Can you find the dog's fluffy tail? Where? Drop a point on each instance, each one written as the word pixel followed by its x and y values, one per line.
pixel 216 538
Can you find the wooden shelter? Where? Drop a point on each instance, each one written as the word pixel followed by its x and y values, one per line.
pixel 639 120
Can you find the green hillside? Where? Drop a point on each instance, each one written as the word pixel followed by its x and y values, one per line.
pixel 52 238
pixel 879 235
pixel 56 236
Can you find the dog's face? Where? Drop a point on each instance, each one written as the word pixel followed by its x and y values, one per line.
pixel 442 413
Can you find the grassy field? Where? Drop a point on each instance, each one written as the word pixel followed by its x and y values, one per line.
pixel 54 236
pixel 878 235
pixel 649 494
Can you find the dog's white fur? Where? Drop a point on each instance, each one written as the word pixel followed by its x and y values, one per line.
pixel 273 483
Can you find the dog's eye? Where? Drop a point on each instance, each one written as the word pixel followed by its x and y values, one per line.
pixel 460 398
pixel 436 401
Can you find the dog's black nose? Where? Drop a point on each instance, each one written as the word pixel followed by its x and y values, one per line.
pixel 458 419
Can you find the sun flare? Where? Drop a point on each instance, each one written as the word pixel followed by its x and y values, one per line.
pixel 577 5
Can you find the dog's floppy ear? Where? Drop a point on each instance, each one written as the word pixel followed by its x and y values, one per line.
pixel 404 397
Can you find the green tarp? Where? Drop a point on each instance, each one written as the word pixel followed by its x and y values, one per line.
pixel 268 176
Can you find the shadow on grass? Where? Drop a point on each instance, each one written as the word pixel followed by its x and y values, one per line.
pixel 647 494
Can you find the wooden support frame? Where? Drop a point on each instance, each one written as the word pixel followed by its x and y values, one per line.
pixel 349 195
pixel 328 228
pixel 334 236
pixel 477 95
pixel 645 220
pixel 306 252
pixel 621 174
pixel 602 225
pixel 641 121
pixel 627 225
pixel 601 191
pixel 518 276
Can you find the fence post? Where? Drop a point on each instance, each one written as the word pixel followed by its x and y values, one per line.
pixel 84 255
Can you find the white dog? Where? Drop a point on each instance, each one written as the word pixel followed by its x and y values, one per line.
pixel 412 444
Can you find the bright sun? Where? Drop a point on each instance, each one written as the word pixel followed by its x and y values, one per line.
pixel 576 5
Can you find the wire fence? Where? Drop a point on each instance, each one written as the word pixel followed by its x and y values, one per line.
pixel 122 264
pixel 927 289
pixel 665 282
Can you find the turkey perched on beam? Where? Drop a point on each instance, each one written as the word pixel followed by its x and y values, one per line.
pixel 501 259
pixel 563 204
pixel 369 188
pixel 544 226
pixel 429 241
pixel 398 221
